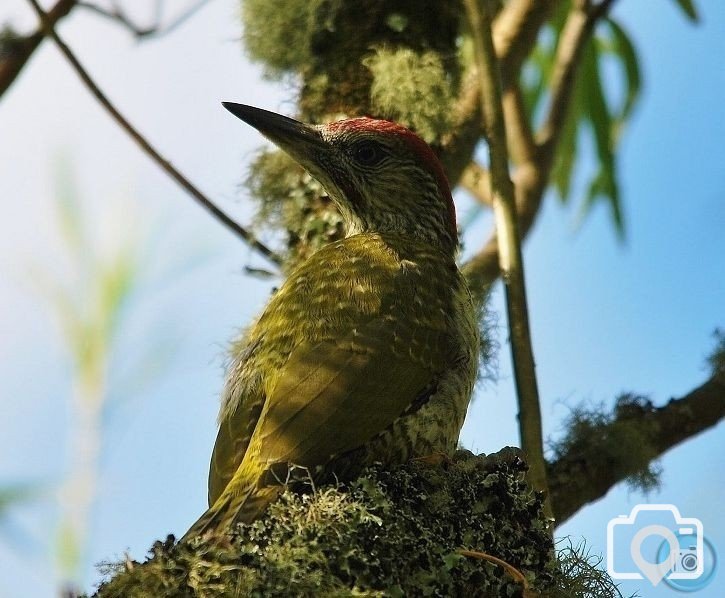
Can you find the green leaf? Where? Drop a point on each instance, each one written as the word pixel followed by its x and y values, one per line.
pixel 566 152
pixel 115 283
pixel 598 114
pixel 536 74
pixel 688 7
pixel 17 494
pixel 624 50
pixel 534 79
pixel 70 218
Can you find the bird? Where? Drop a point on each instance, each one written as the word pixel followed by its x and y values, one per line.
pixel 368 352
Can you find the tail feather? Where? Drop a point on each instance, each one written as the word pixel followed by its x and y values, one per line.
pixel 232 508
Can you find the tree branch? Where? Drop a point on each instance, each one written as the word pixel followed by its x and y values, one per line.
pixel 532 176
pixel 460 144
pixel 475 179
pixel 515 30
pixel 510 259
pixel 577 30
pixel 180 179
pixel 12 62
pixel 521 143
pixel 586 473
pixel 483 268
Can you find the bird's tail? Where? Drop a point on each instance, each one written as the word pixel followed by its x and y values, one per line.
pixel 233 507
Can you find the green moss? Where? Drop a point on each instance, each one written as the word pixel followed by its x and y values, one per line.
pixel 716 359
pixel 413 89
pixel 289 199
pixel 388 533
pixel 10 41
pixel 392 533
pixel 614 441
pixel 280 33
pixel 582 573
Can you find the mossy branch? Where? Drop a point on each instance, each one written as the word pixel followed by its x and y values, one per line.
pixel 409 531
pixel 601 449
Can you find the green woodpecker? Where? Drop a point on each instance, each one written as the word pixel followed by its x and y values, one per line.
pixel 369 350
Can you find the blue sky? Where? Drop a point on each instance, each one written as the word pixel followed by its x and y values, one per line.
pixel 606 316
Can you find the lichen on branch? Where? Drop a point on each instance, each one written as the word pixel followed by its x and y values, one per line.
pixel 396 533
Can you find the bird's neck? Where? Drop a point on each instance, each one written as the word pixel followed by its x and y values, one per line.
pixel 414 236
pixel 406 246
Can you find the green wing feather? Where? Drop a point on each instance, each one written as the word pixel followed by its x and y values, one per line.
pixel 334 396
pixel 232 441
pixel 331 397
pixel 349 374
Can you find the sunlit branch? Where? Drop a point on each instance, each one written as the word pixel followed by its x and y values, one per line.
pixel 522 147
pixel 577 31
pixel 510 259
pixel 515 30
pixel 532 176
pixel 577 477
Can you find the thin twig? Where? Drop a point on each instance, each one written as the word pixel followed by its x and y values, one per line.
pixel 577 31
pixel 117 15
pixel 522 147
pixel 12 62
pixel 483 269
pixel 517 576
pixel 156 29
pixel 515 31
pixel 510 259
pixel 184 16
pixel 202 199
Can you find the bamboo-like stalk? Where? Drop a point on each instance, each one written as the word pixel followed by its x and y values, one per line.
pixel 510 258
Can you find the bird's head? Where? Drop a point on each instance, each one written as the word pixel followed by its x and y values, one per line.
pixel 382 176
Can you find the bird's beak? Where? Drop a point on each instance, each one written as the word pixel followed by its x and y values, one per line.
pixel 302 142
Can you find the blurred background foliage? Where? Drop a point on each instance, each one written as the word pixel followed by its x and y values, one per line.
pixel 91 288
pixel 90 298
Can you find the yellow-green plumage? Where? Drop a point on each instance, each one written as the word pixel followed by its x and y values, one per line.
pixel 368 352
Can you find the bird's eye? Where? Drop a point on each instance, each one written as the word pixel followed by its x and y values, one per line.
pixel 368 153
